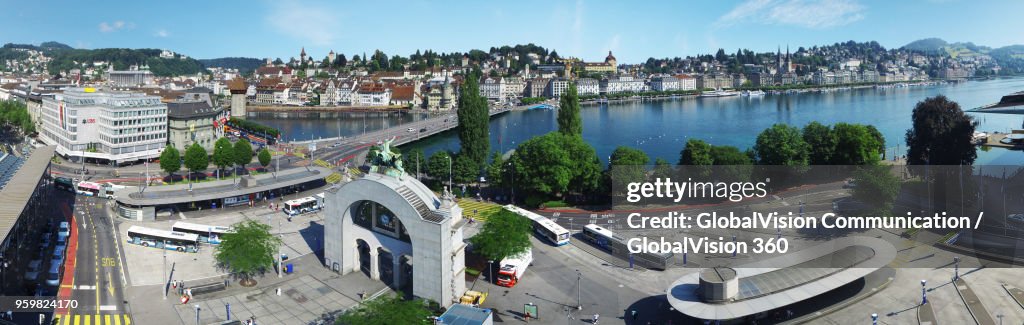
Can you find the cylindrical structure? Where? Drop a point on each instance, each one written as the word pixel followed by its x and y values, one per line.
pixel 719 284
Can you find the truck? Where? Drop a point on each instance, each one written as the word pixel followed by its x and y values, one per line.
pixel 512 268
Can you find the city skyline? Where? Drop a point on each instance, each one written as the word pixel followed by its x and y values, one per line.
pixel 584 29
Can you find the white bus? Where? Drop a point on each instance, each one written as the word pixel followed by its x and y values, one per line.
pixel 171 240
pixel 88 188
pixel 543 226
pixel 301 205
pixel 207 234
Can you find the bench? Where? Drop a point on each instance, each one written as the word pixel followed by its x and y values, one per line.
pixel 208 288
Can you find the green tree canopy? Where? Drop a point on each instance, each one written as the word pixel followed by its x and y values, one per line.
pixel 696 152
pixel 249 250
pixel 855 145
pixel 781 145
pixel 170 160
pixel 627 165
pixel 941 134
pixel 242 153
pixel 662 169
pixel 504 234
pixel 15 114
pixel 196 158
pixel 877 188
pixel 474 125
pixel 437 167
pixel 554 163
pixel 223 153
pixel 821 142
pixel 496 170
pixel 387 310
pixel 264 157
pixel 569 120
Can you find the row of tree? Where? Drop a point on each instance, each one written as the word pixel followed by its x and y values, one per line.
pixel 225 154
pixel 15 114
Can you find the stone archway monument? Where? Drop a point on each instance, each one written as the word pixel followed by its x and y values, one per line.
pixel 389 211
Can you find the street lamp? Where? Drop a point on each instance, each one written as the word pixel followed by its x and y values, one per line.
pixel 956 268
pixel 197 314
pixel 490 272
pixel 924 292
pixel 450 173
pixel 874 319
pixel 513 169
pixel 579 301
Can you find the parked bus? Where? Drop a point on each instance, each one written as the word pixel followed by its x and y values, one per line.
pixel 544 227
pixel 301 205
pixel 207 234
pixel 610 242
pixel 64 184
pixel 88 188
pixel 171 240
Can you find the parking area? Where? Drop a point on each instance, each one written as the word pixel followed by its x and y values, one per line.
pixel 146 264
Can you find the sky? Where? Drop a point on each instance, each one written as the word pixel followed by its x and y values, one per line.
pixel 633 30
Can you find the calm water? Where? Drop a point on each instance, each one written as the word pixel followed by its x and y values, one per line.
pixel 661 128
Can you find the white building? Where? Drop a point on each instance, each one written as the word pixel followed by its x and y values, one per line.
pixel 686 82
pixel 558 87
pixel 622 84
pixel 664 83
pixel 588 86
pixel 373 94
pixel 105 125
pixel 490 88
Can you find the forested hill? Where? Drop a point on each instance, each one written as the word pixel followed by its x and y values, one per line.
pixel 122 59
pixel 244 65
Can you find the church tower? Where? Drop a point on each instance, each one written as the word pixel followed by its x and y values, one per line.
pixel 302 55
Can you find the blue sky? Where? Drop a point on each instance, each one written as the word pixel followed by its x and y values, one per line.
pixel 634 30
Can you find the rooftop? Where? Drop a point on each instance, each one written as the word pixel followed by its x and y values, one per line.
pixel 14 197
pixel 460 314
pixel 174 194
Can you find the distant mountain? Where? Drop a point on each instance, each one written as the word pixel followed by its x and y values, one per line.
pixel 928 45
pixel 244 65
pixel 122 59
pixel 55 46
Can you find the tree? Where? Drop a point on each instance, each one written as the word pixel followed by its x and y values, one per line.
pixel 876 188
pixel 569 120
pixel 437 167
pixel 504 234
pixel 264 157
pixel 474 125
pixel 249 250
pixel 223 154
pixel 821 143
pixel 496 170
pixel 781 145
pixel 196 158
pixel 627 165
pixel 662 169
pixel 855 145
pixel 554 163
pixel 941 134
pixel 170 160
pixel 387 310
pixel 465 170
pixel 696 152
pixel 242 153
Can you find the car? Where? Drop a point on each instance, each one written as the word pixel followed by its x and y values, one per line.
pixel 33 269
pixel 53 276
pixel 61 239
pixel 1017 217
pixel 423 130
pixel 64 229
pixel 411 130
pixel 58 254
pixel 44 243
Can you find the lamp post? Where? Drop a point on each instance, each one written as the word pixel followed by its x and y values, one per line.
pixel 166 280
pixel 490 273
pixel 579 301
pixel 513 169
pixel 450 173
pixel 197 314
pixel 956 268
pixel 924 292
pixel 874 319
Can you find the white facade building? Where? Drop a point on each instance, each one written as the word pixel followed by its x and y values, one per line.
pixel 588 86
pixel 664 83
pixel 107 125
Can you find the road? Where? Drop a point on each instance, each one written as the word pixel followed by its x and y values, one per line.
pixel 98 280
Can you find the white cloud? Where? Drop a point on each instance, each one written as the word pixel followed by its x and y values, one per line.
pixel 801 13
pixel 304 22
pixel 162 33
pixel 115 26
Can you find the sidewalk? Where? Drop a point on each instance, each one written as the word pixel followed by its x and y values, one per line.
pixel 974 304
pixel 306 295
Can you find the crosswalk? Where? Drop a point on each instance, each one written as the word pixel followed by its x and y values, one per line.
pixel 93 319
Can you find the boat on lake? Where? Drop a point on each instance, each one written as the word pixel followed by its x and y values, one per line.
pixel 753 93
pixel 719 93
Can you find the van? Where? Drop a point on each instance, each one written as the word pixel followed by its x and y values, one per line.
pixel 53 276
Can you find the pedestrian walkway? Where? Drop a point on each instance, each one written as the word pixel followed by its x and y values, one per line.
pixel 1016 293
pixel 925 315
pixel 974 305
pixel 94 319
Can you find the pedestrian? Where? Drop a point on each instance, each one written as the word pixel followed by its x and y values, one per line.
pixel 596 316
pixel 635 314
